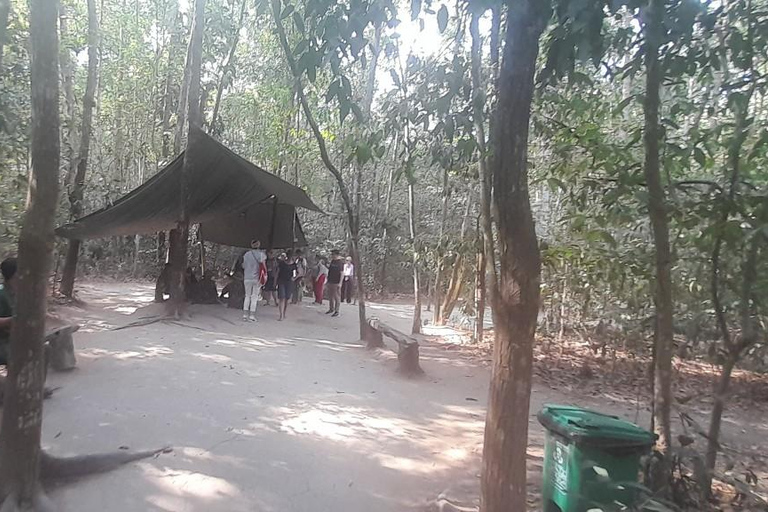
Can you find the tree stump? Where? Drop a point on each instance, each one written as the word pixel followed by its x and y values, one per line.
pixel 407 347
pixel 61 348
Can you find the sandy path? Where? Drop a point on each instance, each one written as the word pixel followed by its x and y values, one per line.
pixel 274 416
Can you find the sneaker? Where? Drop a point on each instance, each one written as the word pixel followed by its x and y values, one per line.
pixel 252 319
pixel 245 318
pixel 335 313
pixel 329 312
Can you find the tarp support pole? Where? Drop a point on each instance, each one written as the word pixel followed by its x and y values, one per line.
pixel 274 221
pixel 202 250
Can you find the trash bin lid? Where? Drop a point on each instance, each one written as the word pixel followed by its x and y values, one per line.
pixel 583 426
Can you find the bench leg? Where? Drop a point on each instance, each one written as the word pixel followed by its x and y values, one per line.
pixel 408 359
pixel 62 352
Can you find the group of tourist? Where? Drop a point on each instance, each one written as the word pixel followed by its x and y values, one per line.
pixel 283 278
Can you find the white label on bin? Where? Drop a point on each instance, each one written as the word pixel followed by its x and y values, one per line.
pixel 561 467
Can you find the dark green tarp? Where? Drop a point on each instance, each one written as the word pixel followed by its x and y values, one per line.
pixel 232 199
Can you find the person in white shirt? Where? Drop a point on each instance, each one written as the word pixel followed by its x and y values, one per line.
pixel 254 276
pixel 348 280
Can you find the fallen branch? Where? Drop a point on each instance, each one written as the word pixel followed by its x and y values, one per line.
pixel 143 322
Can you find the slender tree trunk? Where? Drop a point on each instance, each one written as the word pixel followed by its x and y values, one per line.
pixel 136 254
pixel 67 80
pixel 456 282
pixel 226 69
pixel 657 211
pixel 195 58
pixel 161 250
pixel 438 314
pixel 478 93
pixel 166 120
pixel 563 303
pixel 385 230
pixel 480 287
pixel 23 402
pixel 69 271
pixel 516 298
pixel 5 11
pixel 181 111
pixel 749 276
pixel 168 88
pixel 354 226
pixel 416 327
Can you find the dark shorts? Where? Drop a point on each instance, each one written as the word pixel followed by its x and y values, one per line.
pixel 270 285
pixel 284 290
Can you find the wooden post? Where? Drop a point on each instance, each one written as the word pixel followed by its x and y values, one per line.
pixel 272 229
pixel 202 250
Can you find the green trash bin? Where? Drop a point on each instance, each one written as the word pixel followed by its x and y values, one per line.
pixel 591 460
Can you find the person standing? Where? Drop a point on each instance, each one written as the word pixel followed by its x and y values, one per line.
pixel 286 270
pixel 254 276
pixel 335 269
pixel 270 287
pixel 348 281
pixel 299 277
pixel 321 274
pixel 7 305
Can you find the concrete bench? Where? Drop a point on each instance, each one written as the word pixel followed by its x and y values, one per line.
pixel 60 348
pixel 407 347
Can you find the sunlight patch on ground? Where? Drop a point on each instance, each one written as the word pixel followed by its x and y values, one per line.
pixel 216 358
pixel 188 483
pixel 126 310
pixel 341 425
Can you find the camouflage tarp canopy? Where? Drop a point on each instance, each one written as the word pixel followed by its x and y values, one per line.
pixel 233 200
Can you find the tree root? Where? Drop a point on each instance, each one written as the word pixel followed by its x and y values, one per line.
pixel 53 469
pixel 443 504
pixel 40 503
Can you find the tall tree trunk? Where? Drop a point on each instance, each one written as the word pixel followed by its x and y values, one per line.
pixel 195 59
pixel 226 69
pixel 78 187
pixel 416 326
pixel 160 249
pixel 67 80
pixel 486 186
pixel 181 110
pixel 385 230
pixel 657 210
pixel 438 314
pixel 516 298
pixel 733 350
pixel 456 282
pixel 5 11
pixel 168 88
pixel 166 119
pixel 23 405
pixel 480 287
pixel 354 225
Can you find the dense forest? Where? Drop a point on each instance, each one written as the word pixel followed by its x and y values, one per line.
pixel 633 212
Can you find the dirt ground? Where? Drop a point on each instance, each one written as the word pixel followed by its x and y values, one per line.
pixel 284 416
